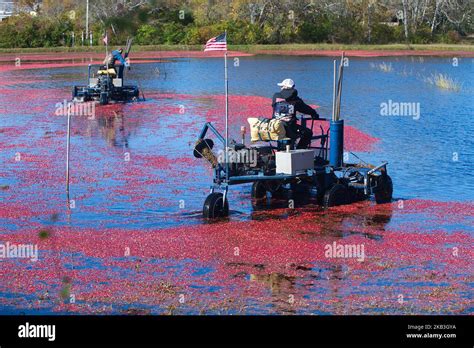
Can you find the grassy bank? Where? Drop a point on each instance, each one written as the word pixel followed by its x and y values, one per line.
pixel 257 48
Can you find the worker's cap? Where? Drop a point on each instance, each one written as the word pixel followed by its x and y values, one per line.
pixel 287 83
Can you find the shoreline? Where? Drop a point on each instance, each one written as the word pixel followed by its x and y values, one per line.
pixel 284 49
pixel 368 53
pixel 35 60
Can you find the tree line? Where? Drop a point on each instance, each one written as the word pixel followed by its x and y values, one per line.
pixel 62 22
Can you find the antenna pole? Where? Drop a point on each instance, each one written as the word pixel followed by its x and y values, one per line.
pixel 226 113
pixel 334 92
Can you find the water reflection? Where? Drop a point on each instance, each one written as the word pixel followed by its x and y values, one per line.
pixel 335 222
pixel 112 124
pixel 288 289
pixel 113 128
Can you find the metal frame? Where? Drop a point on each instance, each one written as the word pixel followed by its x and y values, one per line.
pixel 355 176
pixel 222 179
pixel 226 180
pixel 123 93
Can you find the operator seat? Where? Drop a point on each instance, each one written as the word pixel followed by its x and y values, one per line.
pixel 110 71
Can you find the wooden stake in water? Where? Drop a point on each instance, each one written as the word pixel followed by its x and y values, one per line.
pixel 68 141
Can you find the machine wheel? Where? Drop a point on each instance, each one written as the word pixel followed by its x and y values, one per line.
pixel 280 193
pixel 214 206
pixel 336 195
pixel 259 191
pixel 301 189
pixel 276 189
pixel 385 189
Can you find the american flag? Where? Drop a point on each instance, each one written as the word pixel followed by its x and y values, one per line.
pixel 218 43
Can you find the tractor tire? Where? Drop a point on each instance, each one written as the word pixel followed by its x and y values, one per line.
pixel 280 193
pixel 259 191
pixel 276 189
pixel 336 195
pixel 301 189
pixel 215 207
pixel 384 192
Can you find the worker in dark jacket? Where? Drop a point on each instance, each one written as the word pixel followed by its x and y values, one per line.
pixel 113 56
pixel 285 105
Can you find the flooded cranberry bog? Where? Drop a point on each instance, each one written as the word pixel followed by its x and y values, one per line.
pixel 130 238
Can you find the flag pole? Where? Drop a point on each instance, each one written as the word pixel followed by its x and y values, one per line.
pixel 68 141
pixel 106 44
pixel 334 92
pixel 226 113
pixel 107 63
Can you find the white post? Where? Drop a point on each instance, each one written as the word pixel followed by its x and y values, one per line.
pixel 87 16
pixel 334 92
pixel 226 115
pixel 68 148
pixel 339 87
pixel 107 46
pixel 106 55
